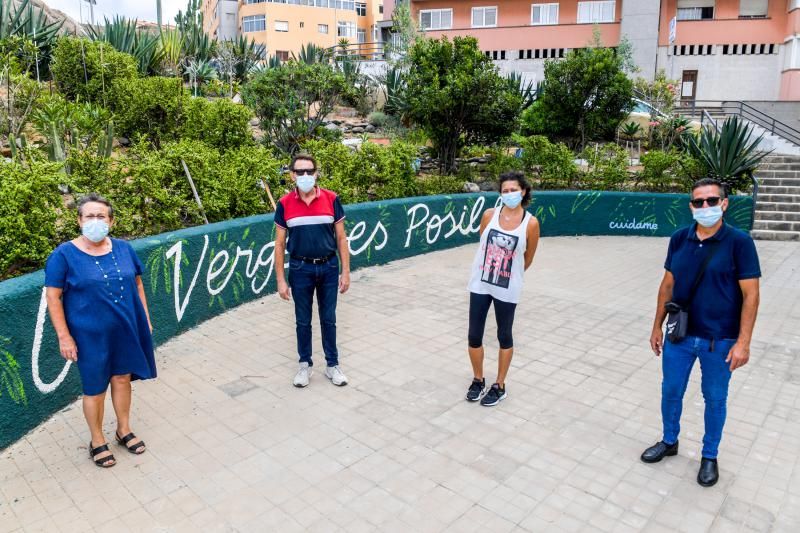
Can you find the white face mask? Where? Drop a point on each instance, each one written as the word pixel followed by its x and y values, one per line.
pixel 95 230
pixel 305 182
pixel 707 216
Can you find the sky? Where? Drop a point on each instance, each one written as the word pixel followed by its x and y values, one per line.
pixel 140 9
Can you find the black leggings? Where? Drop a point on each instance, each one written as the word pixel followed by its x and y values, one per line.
pixel 503 312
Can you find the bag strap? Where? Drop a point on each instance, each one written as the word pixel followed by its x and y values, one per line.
pixel 700 272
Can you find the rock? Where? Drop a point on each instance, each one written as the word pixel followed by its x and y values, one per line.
pixel 471 187
pixel 124 141
pixel 331 127
pixel 473 164
pixel 64 189
pixel 357 129
pixel 254 122
pixel 488 186
pixel 336 121
pixel 370 128
pixel 475 160
pixel 237 98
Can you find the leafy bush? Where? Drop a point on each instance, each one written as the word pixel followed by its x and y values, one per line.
pixel 30 203
pixel 282 98
pixel 377 119
pixel 150 107
pixel 585 96
pixel 669 171
pixel 86 70
pixel 221 123
pixel 553 162
pixel 608 167
pixel 438 184
pixel 372 172
pixel 501 161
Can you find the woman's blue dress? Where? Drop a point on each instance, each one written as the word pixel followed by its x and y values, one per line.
pixel 104 313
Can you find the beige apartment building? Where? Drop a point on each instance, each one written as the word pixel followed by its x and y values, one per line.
pixel 284 26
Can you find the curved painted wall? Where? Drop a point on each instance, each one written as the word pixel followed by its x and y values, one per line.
pixel 197 273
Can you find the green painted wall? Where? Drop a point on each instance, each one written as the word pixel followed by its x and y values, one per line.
pixel 222 265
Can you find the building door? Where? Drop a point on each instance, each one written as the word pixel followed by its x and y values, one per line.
pixel 689 86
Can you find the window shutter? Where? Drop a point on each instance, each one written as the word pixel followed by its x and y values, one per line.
pixel 753 8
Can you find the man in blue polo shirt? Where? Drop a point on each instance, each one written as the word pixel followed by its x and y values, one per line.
pixel 722 312
pixel 313 218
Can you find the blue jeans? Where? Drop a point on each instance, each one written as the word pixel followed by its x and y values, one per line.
pixel 304 280
pixel 677 362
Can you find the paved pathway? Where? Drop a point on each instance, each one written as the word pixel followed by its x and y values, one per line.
pixel 234 447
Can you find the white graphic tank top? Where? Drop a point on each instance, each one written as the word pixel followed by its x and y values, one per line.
pixel 499 263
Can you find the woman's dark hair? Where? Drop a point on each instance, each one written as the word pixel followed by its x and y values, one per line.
pixel 94 197
pixel 303 157
pixel 704 182
pixel 520 178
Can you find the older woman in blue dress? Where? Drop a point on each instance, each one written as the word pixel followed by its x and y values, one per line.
pixel 97 304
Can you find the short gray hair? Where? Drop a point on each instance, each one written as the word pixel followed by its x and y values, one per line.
pixel 94 197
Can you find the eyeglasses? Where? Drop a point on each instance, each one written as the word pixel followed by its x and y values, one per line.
pixel 712 201
pixel 304 171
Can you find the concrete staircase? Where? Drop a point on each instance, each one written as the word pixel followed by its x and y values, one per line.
pixel 777 216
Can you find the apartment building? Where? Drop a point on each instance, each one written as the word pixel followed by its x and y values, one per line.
pixel 718 49
pixel 284 26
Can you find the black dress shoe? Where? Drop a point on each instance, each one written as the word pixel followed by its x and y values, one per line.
pixel 658 451
pixel 708 474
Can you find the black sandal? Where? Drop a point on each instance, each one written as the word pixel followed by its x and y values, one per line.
pixel 134 449
pixel 102 463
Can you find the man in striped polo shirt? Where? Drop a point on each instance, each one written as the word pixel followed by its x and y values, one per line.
pixel 313 218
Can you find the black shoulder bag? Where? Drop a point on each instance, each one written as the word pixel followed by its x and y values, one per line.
pixel 677 314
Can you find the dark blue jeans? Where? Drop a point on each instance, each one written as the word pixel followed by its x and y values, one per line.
pixel 304 280
pixel 677 362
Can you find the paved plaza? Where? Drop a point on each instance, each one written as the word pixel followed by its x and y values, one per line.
pixel 232 446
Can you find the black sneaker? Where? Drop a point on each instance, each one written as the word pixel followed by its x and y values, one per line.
pixel 494 396
pixel 476 389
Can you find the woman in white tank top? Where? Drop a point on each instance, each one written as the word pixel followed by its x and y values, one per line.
pixel 509 236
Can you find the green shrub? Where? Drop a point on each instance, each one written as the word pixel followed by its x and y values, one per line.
pixel 240 173
pixel 671 171
pixel 377 119
pixel 150 106
pixel 30 203
pixel 86 70
pixel 221 123
pixel 500 161
pixel 372 172
pixel 608 167
pixel 553 162
pixel 438 184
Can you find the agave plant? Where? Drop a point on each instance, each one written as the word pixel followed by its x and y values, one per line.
pixel 730 154
pixel 248 54
pixel 171 44
pixel 630 130
pixel 199 72
pixel 311 53
pixel 528 91
pixel 21 19
pixel 121 33
pixel 394 90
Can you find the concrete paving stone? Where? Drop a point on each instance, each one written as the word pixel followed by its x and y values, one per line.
pixel 232 446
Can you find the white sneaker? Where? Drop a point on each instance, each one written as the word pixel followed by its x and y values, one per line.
pixel 303 375
pixel 336 376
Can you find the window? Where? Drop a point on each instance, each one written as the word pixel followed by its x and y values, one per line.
pixel 794 4
pixel 254 1
pixel 484 17
pixel 436 19
pixel 281 25
pixel 543 14
pixel 283 55
pixel 592 12
pixel 361 9
pixel 695 9
pixel 753 8
pixel 380 9
pixel 254 23
pixel 302 24
pixel 348 5
pixel 362 36
pixel 322 28
pixel 346 29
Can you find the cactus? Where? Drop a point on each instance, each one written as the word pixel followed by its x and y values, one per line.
pixel 56 150
pixel 106 143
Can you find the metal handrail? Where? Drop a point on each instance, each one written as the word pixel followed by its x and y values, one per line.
pixel 376 50
pixel 744 110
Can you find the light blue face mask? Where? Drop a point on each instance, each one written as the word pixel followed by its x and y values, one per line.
pixel 95 230
pixel 511 199
pixel 305 182
pixel 707 216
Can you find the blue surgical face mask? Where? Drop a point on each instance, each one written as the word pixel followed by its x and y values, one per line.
pixel 511 199
pixel 305 182
pixel 95 230
pixel 707 216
